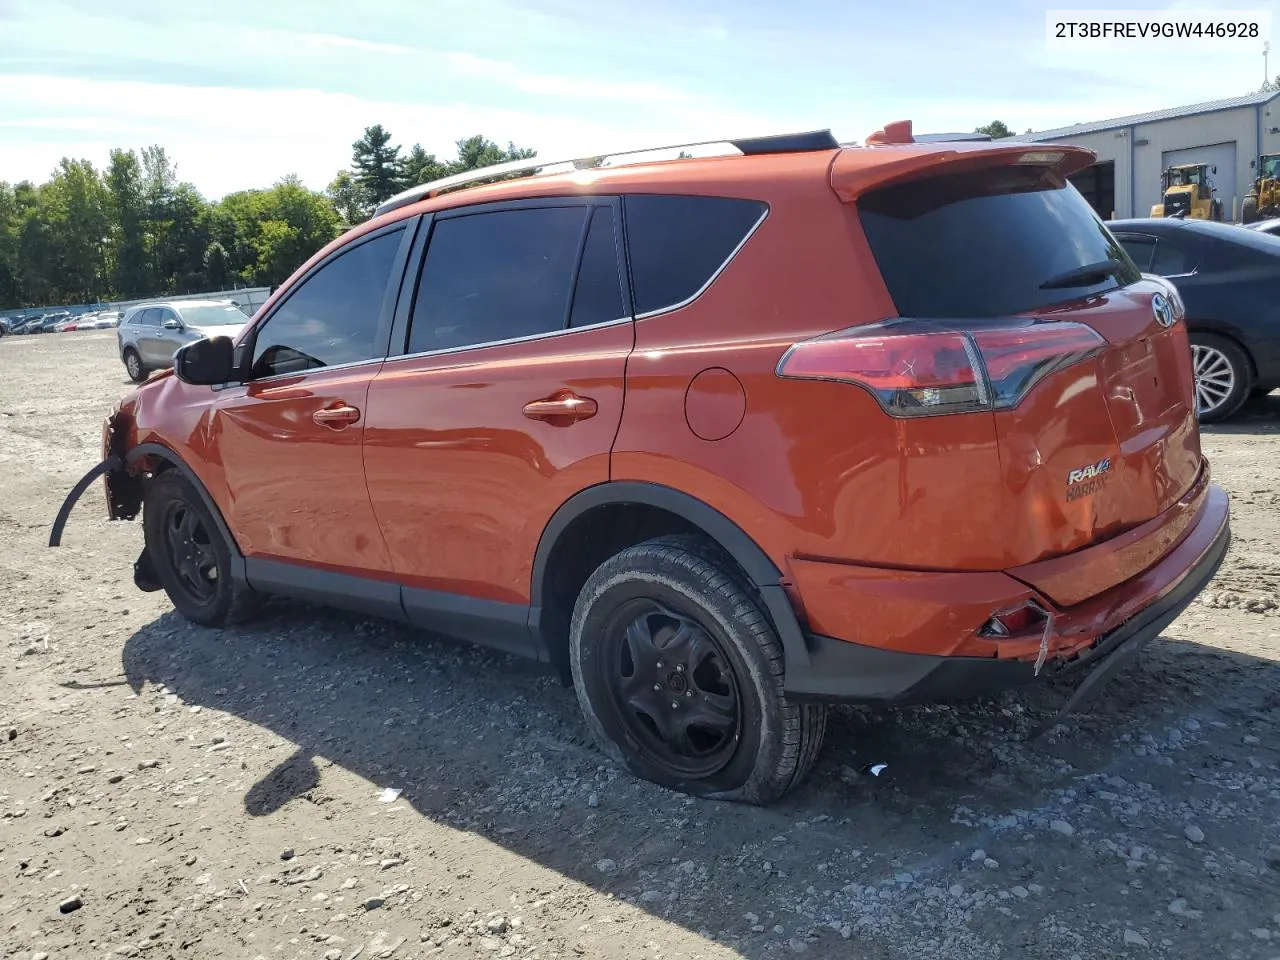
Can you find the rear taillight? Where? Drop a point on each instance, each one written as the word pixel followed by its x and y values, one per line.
pixel 924 368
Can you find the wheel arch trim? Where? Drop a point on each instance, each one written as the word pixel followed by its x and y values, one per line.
pixel 762 571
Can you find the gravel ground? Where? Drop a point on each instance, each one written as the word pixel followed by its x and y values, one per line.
pixel 171 791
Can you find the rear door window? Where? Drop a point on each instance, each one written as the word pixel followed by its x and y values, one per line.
pixel 497 276
pixel 983 243
pixel 597 294
pixel 1140 250
pixel 677 245
pixel 1171 260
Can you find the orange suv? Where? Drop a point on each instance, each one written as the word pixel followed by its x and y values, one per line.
pixel 719 439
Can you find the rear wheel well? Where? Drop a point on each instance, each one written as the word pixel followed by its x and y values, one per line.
pixel 591 539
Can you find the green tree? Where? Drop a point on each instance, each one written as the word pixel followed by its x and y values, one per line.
pixel 995 130
pixel 377 165
pixel 275 231
pixel 217 268
pixel 476 152
pixel 75 214
pixel 423 167
pixel 348 198
pixel 10 229
pixel 130 272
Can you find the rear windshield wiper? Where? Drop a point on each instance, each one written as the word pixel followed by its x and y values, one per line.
pixel 1084 276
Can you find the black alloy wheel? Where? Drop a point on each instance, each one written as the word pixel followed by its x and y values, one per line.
pixel 673 689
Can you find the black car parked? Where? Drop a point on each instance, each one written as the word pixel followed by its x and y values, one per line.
pixel 1229 278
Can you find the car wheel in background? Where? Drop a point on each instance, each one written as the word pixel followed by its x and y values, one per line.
pixel 1224 376
pixel 679 674
pixel 133 365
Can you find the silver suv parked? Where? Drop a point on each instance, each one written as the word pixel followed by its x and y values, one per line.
pixel 149 333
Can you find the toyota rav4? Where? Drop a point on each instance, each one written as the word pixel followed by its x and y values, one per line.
pixel 718 439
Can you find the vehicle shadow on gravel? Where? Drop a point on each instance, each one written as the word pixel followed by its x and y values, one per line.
pixel 490 745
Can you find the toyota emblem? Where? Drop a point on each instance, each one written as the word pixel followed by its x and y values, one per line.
pixel 1162 309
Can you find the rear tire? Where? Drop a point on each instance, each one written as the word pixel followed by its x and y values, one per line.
pixel 669 621
pixel 1224 376
pixel 190 558
pixel 133 365
pixel 1249 210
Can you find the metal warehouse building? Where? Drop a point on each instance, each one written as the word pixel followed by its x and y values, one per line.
pixel 1134 151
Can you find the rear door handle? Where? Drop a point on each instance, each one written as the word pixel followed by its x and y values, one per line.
pixel 563 408
pixel 340 415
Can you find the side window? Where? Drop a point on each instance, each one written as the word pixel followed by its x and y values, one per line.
pixel 1170 261
pixel 332 317
pixel 597 296
pixel 151 317
pixel 678 244
pixel 496 276
pixel 1139 250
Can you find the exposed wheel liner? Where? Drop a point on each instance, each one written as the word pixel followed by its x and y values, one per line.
pixel 64 512
pixel 778 740
pixel 765 576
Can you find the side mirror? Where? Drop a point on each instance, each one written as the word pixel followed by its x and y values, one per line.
pixel 206 362
pixel 172 325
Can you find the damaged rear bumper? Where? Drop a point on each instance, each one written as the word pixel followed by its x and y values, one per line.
pixel 845 671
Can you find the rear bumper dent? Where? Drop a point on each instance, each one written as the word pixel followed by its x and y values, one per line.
pixel 845 671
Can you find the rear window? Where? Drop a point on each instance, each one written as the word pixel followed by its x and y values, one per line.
pixel 981 243
pixel 678 244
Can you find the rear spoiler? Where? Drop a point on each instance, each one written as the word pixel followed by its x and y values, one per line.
pixel 894 155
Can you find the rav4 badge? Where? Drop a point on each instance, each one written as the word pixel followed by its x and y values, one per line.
pixel 1085 481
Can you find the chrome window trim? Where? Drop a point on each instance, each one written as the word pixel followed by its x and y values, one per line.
pixel 502 343
pixel 714 276
pixel 300 373
pixel 606 323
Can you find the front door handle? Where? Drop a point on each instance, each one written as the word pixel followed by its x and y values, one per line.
pixel 562 408
pixel 336 417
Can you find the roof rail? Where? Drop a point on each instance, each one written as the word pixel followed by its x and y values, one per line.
pixel 813 140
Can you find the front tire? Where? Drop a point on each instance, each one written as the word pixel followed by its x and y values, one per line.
pixel 133 365
pixel 189 556
pixel 679 675
pixel 1224 376
pixel 1249 210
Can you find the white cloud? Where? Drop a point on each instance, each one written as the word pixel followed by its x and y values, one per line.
pixel 552 85
pixel 226 139
pixel 330 40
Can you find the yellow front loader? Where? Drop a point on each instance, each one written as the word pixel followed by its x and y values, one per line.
pixel 1185 191
pixel 1263 199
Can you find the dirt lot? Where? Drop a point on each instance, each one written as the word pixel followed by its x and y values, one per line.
pixel 170 791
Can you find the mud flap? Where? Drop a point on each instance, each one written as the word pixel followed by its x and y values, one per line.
pixel 144 573
pixel 64 512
